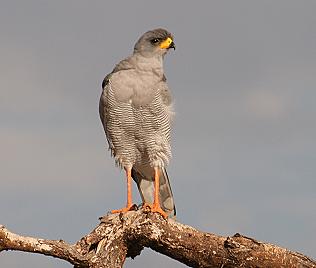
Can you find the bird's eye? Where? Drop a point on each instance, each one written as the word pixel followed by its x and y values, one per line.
pixel 155 40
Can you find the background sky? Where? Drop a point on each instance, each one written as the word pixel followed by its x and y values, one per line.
pixel 243 78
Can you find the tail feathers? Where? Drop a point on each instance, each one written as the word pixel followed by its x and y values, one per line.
pixel 166 196
pixel 145 184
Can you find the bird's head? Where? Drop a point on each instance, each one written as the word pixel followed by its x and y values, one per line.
pixel 154 42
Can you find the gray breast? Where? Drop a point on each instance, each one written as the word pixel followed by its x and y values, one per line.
pixel 137 121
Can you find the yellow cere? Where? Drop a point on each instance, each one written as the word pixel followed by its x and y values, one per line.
pixel 166 43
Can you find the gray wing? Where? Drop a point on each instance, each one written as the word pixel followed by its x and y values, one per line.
pixel 107 104
pixel 118 122
pixel 103 110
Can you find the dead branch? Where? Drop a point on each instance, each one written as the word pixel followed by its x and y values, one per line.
pixel 125 235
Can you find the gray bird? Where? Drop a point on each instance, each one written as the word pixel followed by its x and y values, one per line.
pixel 136 112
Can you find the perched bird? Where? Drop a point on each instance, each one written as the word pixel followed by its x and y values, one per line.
pixel 136 111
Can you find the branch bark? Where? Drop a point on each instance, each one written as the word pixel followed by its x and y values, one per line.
pixel 120 236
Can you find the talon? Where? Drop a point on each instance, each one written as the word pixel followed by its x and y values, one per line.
pixel 157 208
pixel 126 209
pixel 154 208
pixel 147 207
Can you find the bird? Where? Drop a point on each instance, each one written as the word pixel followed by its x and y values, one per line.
pixel 136 110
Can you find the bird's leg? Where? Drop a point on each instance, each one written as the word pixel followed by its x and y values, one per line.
pixel 156 206
pixel 129 205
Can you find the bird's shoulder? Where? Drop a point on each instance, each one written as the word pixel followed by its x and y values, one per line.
pixel 123 65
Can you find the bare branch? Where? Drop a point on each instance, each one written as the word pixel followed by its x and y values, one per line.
pixel 125 235
pixel 54 248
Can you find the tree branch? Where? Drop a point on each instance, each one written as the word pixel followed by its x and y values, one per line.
pixel 54 248
pixel 125 235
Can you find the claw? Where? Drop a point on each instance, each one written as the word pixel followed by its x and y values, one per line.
pixel 154 208
pixel 157 208
pixel 146 207
pixel 126 209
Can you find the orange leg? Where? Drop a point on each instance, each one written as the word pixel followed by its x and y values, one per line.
pixel 156 206
pixel 129 205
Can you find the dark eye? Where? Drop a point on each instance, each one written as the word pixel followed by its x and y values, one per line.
pixel 155 40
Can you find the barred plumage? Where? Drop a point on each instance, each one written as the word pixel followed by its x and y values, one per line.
pixel 136 112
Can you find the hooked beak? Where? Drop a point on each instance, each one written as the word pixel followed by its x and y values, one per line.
pixel 168 43
pixel 172 45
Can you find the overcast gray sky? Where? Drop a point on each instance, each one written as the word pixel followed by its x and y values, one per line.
pixel 243 78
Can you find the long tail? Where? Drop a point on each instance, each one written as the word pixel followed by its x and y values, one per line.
pixel 145 184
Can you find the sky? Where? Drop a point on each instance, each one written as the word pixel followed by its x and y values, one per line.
pixel 243 79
